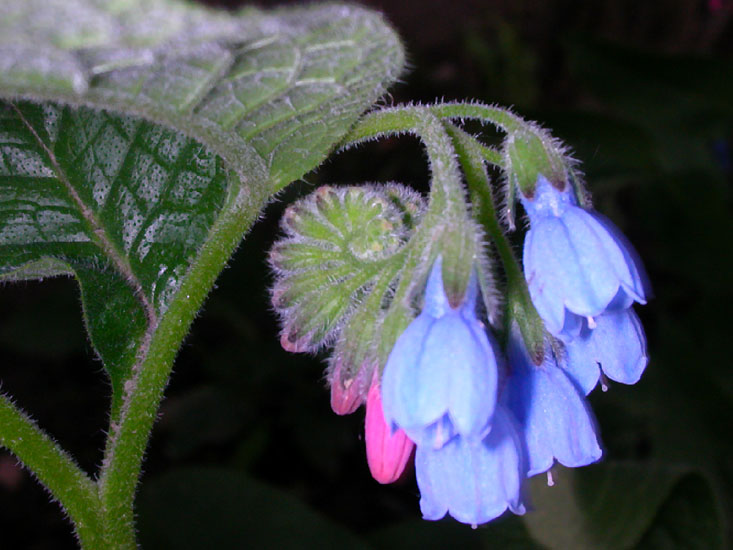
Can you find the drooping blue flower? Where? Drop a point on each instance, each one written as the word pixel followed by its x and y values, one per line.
pixel 616 345
pixel 555 419
pixel 441 376
pixel 473 480
pixel 576 262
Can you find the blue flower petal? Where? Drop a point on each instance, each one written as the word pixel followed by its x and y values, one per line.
pixel 474 481
pixel 436 302
pixel 545 274
pixel 617 345
pixel 600 261
pixel 402 373
pixel 576 261
pixel 556 421
pixel 441 376
pixel 640 289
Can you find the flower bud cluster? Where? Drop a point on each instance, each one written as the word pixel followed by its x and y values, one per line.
pixel 481 417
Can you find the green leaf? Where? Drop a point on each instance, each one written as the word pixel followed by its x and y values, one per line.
pixel 623 506
pixel 126 205
pixel 123 204
pixel 217 508
pixel 269 92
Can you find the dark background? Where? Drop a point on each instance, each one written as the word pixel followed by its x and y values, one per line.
pixel 642 92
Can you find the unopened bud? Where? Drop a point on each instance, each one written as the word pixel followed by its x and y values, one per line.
pixel 348 393
pixel 387 452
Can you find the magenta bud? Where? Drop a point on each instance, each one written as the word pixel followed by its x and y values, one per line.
pixel 387 453
pixel 348 394
pixel 345 397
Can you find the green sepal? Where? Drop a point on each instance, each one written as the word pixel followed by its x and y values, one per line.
pixel 458 249
pixel 531 151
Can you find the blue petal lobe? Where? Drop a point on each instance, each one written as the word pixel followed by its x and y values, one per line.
pixel 557 422
pixel 402 373
pixel 626 328
pixel 599 260
pixel 473 480
pixel 616 345
pixel 640 288
pixel 543 278
pixel 474 381
pixel 436 302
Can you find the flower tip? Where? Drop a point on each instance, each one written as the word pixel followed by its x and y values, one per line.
pixel 387 452
pixel 290 341
pixel 348 389
pixel 345 398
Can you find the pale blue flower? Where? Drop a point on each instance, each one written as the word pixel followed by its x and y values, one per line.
pixel 441 376
pixel 576 262
pixel 473 480
pixel 616 346
pixel 556 421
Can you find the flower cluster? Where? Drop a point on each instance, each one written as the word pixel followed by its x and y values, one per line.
pixel 583 277
pixel 482 425
pixel 440 385
pixel 480 417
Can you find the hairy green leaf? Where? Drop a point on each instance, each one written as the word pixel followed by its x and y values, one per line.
pixel 266 91
pixel 136 134
pixel 123 204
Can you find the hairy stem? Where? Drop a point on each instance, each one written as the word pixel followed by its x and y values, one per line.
pixel 498 116
pixel 55 469
pixel 519 303
pixel 121 470
pixel 446 218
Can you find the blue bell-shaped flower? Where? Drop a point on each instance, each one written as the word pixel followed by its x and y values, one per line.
pixel 441 376
pixel 576 262
pixel 616 345
pixel 473 480
pixel 556 421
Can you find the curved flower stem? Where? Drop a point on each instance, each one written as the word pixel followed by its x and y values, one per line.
pixel 498 116
pixel 55 469
pixel 519 303
pixel 401 120
pixel 125 451
pixel 446 220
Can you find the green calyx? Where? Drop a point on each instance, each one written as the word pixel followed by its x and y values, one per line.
pixel 530 151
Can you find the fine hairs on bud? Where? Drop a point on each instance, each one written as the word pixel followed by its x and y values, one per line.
pixel 336 241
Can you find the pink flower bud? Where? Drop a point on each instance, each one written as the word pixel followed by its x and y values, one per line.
pixel 387 453
pixel 347 395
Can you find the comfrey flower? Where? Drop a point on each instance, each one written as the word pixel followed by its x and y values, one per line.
pixel 474 480
pixel 576 262
pixel 440 386
pixel 616 346
pixel 440 379
pixel 556 421
pixel 347 395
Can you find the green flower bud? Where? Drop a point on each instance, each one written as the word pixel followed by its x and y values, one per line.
pixel 338 240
